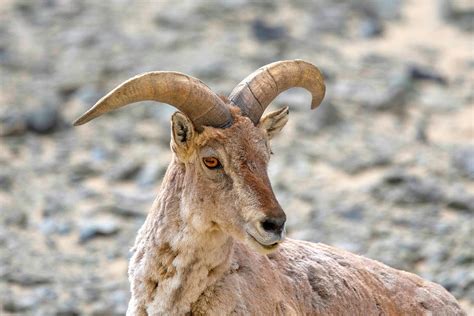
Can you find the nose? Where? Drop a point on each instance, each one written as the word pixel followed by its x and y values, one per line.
pixel 274 225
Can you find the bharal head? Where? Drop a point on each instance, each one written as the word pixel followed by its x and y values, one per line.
pixel 223 146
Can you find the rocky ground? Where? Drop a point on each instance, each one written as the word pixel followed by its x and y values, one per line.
pixel 384 168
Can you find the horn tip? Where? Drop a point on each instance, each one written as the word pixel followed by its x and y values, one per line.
pixel 317 98
pixel 316 102
pixel 80 121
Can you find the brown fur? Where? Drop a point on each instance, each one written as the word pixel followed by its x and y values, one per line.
pixel 193 255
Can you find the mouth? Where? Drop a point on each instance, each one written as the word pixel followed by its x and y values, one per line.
pixel 261 246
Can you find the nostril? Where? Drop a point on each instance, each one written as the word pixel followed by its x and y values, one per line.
pixel 268 226
pixel 273 225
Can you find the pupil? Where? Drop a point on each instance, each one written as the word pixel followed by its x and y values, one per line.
pixel 212 162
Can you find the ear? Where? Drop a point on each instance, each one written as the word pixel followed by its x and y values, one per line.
pixel 273 122
pixel 182 132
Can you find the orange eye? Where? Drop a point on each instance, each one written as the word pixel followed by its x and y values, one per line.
pixel 212 162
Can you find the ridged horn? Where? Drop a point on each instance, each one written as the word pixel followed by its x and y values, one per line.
pixel 253 94
pixel 189 95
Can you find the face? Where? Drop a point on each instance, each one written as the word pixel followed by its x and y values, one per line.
pixel 230 189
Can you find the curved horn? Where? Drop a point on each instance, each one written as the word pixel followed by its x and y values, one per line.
pixel 253 94
pixel 187 94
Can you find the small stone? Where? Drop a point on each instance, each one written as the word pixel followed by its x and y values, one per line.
pixel 84 169
pixel 46 293
pixel 150 173
pixel 418 72
pixel 265 32
pixel 401 188
pixel 394 95
pixel 47 226
pixel 371 27
pixel 52 226
pixel 119 300
pixel 463 160
pixel 27 279
pixel 14 217
pixel 420 130
pixel 458 12
pixel 19 304
pixel 124 170
pixel 377 83
pixel 44 120
pixel 313 122
pixel 99 154
pixel 6 181
pixel 122 211
pixel 101 308
pixel 93 229
pixel 68 311
pixel 461 201
pixel 354 213
pixel 385 9
pixel 88 94
pixel 12 125
pixel 68 308
pixel 438 98
pixel 210 69
pixel 329 20
pixel 53 205
pixel 457 280
pixel 355 160
pixel 402 257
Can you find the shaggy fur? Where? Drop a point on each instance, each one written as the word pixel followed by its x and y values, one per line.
pixel 194 254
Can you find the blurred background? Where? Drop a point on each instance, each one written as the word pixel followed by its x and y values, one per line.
pixel 383 168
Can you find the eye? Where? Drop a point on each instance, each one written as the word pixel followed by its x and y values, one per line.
pixel 212 162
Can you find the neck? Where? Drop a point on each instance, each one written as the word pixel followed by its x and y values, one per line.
pixel 180 260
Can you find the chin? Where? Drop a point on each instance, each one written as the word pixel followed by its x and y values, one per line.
pixel 260 248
